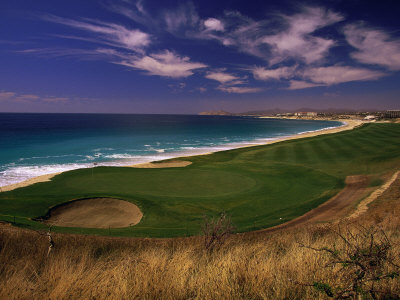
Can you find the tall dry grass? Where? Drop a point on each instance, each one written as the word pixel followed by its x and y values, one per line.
pixel 249 266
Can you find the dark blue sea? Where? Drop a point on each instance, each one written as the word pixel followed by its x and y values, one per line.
pixel 38 144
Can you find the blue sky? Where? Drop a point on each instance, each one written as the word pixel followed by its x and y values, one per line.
pixel 147 56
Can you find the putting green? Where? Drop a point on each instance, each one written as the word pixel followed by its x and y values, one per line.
pixel 258 186
pixel 169 182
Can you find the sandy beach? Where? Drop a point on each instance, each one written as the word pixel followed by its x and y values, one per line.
pixel 348 125
pixel 42 178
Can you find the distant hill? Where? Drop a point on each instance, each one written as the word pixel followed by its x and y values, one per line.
pixel 274 111
pixel 216 113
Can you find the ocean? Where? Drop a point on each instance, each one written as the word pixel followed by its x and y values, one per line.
pixel 36 144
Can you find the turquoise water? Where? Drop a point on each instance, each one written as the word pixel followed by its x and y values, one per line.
pixel 38 144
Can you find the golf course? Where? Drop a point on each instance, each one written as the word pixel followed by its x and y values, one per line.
pixel 258 187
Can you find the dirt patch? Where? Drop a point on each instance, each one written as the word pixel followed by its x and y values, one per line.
pixel 169 164
pixel 363 206
pixel 335 208
pixel 95 213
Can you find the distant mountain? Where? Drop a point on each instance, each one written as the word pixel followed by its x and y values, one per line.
pixel 216 113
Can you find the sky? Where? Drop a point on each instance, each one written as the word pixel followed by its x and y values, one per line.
pixel 183 57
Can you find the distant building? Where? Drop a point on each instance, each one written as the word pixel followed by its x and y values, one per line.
pixel 370 118
pixel 389 114
pixel 305 114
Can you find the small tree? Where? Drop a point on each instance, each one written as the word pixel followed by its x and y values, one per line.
pixel 363 259
pixel 49 237
pixel 216 230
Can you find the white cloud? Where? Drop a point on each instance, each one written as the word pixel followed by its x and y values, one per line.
pixel 230 83
pixel 297 40
pixel 107 33
pixel 274 39
pixel 16 97
pixel 374 46
pixel 202 89
pixel 339 74
pixel 29 98
pixel 89 54
pixel 261 73
pixel 182 18
pixel 135 12
pixel 221 77
pixel 166 64
pixel 298 85
pixel 238 89
pixel 214 24
pixel 316 76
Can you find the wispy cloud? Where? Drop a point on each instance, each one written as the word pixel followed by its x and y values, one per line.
pixel 373 46
pixel 261 73
pixel 201 89
pixel 29 98
pixel 16 97
pixel 275 39
pixel 4 96
pixel 221 77
pixel 316 76
pixel 107 33
pixel 298 85
pixel 297 40
pixel 84 54
pixel 134 11
pixel 339 74
pixel 55 99
pixel 230 83
pixel 238 89
pixel 182 18
pixel 120 45
pixel 293 47
pixel 166 63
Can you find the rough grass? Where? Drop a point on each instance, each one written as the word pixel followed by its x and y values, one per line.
pixel 258 187
pixel 247 266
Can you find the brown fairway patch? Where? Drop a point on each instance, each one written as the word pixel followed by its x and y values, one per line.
pixel 335 208
pixel 95 213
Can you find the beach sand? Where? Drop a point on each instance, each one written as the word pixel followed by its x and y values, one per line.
pixel 42 178
pixel 349 125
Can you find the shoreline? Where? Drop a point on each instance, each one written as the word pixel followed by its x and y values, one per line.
pixel 347 125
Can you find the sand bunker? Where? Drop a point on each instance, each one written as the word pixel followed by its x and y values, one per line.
pixel 95 213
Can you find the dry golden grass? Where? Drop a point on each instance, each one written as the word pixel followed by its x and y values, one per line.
pixel 248 266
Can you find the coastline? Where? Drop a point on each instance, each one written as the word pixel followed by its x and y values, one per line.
pixel 347 125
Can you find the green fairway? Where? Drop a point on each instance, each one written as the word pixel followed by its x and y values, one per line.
pixel 258 186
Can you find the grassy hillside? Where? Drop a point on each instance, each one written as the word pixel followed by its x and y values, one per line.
pixel 258 186
pixel 249 266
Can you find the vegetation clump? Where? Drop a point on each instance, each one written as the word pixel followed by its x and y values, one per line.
pixel 216 231
pixel 361 258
